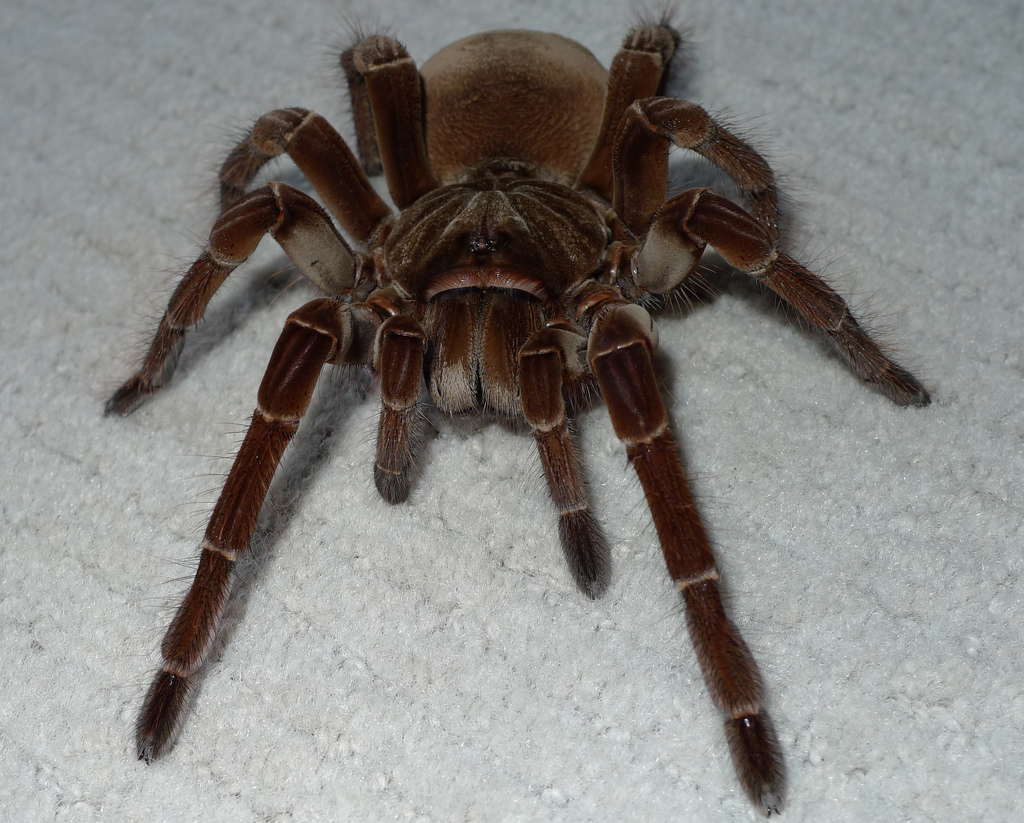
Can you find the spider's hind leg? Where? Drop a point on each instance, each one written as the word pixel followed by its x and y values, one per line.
pixel 636 72
pixel 387 105
pixel 641 160
pixel 305 232
pixel 362 113
pixel 321 155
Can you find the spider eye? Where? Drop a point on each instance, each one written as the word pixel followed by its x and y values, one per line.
pixel 486 243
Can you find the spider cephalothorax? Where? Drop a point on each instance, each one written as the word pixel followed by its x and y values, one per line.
pixel 504 231
pixel 533 227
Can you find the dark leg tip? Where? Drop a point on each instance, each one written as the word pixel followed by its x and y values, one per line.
pixel 918 396
pixel 155 371
pixel 161 714
pixel 586 552
pixel 904 389
pixel 758 762
pixel 128 398
pixel 393 486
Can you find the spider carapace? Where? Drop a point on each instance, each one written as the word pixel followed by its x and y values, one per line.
pixel 532 231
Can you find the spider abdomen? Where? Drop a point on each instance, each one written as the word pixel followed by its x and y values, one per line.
pixel 491 95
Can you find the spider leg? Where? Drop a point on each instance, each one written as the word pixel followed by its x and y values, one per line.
pixel 362 114
pixel 386 79
pixel 635 73
pixel 321 155
pixel 549 358
pixel 622 340
pixel 299 225
pixel 399 361
pixel 687 222
pixel 319 332
pixel 640 160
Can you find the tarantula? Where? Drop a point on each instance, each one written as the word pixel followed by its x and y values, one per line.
pixel 533 228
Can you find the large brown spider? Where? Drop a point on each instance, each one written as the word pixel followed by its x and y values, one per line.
pixel 533 229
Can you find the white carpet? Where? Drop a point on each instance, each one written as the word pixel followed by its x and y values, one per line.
pixel 434 661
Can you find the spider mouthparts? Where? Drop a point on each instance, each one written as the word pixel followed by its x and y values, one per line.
pixel 484 277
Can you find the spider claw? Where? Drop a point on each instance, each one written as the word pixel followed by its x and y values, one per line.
pixel 755 755
pixel 161 714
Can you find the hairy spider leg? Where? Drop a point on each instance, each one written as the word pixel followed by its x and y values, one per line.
pixel 619 352
pixel 640 160
pixel 552 357
pixel 688 222
pixel 637 71
pixel 386 89
pixel 321 155
pixel 329 165
pixel 401 343
pixel 319 332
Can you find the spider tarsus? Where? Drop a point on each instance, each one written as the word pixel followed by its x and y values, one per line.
pixel 165 702
pixel 758 762
pixel 905 390
pixel 128 398
pixel 653 36
pixel 915 396
pixel 393 486
pixel 586 552
pixel 154 372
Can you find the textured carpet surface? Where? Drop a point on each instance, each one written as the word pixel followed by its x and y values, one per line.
pixel 433 661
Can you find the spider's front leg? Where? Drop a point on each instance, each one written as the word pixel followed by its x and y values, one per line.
pixel 326 330
pixel 552 357
pixel 398 359
pixel 622 340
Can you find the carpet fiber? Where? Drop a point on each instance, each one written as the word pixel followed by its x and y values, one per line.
pixel 433 661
